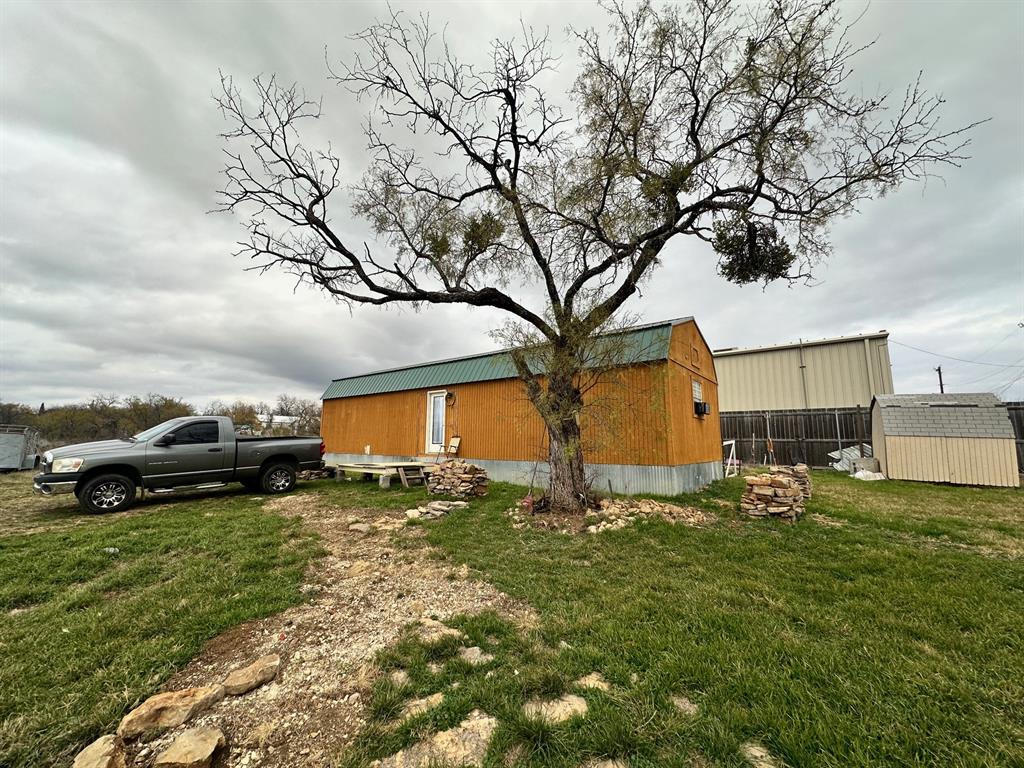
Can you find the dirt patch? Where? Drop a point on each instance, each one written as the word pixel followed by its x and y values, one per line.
pixel 829 522
pixel 315 705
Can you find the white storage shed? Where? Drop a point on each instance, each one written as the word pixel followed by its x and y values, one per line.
pixel 965 439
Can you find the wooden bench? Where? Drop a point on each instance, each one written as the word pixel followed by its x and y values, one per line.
pixel 409 472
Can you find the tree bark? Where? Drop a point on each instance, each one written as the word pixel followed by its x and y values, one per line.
pixel 567 486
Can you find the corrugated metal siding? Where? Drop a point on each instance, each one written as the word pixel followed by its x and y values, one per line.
pixel 622 478
pixel 626 421
pixel 638 346
pixel 692 438
pixel 839 374
pixel 959 460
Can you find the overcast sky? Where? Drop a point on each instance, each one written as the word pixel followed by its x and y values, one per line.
pixel 115 279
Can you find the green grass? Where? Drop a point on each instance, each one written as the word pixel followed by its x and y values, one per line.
pixel 85 634
pixel 895 638
pixel 885 632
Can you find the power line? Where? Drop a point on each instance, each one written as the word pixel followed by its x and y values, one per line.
pixel 988 375
pixel 1016 328
pixel 1008 385
pixel 958 359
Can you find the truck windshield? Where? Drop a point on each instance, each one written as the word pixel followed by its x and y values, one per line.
pixel 154 431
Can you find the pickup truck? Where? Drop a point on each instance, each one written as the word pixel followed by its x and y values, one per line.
pixel 184 453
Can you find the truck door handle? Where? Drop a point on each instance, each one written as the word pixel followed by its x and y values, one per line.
pixel 214 450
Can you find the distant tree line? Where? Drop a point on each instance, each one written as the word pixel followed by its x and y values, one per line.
pixel 108 416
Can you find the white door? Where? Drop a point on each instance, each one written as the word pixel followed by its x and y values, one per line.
pixel 435 421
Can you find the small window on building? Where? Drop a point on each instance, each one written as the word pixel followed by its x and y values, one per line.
pixel 698 392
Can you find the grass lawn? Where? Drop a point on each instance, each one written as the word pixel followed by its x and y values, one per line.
pixel 887 631
pixel 886 628
pixel 86 633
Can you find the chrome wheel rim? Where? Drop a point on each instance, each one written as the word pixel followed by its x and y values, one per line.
pixel 279 480
pixel 109 495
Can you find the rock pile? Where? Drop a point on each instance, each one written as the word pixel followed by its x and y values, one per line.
pixel 458 477
pixel 779 493
pixel 609 515
pixel 315 474
pixel 193 748
pixel 799 473
pixel 618 513
pixel 434 509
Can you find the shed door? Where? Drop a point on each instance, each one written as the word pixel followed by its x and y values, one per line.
pixel 435 421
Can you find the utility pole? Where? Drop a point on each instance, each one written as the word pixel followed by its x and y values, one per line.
pixel 939 371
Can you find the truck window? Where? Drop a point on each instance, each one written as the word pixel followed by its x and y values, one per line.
pixel 198 432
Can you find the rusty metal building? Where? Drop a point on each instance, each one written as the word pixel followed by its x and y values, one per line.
pixel 650 426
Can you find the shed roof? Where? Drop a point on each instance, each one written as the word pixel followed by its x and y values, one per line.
pixel 642 344
pixel 946 415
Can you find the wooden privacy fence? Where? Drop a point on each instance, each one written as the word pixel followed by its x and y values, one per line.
pixel 806 436
pixel 1016 411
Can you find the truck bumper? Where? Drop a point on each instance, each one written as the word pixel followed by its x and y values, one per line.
pixel 51 485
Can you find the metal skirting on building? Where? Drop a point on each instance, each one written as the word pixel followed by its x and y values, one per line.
pixel 621 478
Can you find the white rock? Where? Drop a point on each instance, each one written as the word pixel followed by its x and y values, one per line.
pixel 261 671
pixel 192 749
pixel 168 710
pixel 557 711
pixel 419 706
pixel 464 745
pixel 475 655
pixel 593 680
pixel 684 705
pixel 106 752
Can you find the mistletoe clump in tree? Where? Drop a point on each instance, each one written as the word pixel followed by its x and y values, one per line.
pixel 490 187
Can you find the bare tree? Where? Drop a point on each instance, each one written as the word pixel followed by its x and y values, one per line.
pixel 721 121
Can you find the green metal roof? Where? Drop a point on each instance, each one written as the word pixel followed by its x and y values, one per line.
pixel 642 344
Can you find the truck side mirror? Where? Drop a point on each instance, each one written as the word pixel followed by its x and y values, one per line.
pixel 166 440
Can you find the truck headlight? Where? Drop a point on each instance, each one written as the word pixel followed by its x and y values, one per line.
pixel 67 465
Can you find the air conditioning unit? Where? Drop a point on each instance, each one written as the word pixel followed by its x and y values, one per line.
pixel 701 409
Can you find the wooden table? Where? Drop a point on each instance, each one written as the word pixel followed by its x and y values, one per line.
pixel 406 471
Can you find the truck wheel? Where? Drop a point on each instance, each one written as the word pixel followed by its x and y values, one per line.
pixel 278 478
pixel 107 493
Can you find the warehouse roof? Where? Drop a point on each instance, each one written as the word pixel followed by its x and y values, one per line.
pixel 946 415
pixel 641 344
pixel 883 334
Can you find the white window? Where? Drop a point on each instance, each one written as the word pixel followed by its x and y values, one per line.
pixel 698 392
pixel 435 421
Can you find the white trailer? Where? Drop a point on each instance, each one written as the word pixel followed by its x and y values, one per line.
pixel 19 447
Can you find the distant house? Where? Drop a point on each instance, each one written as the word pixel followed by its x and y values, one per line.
pixel 276 421
pixel 650 426
pixel 841 372
pixel 966 439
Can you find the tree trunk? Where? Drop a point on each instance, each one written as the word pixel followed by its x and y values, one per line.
pixel 567 489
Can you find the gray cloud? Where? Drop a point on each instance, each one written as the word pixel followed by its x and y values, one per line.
pixel 115 279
